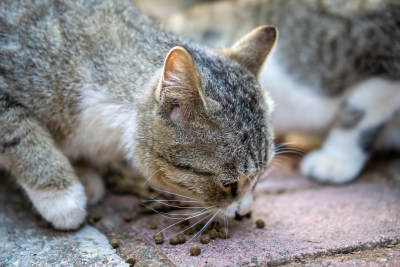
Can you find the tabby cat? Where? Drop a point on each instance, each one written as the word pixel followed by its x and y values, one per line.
pixel 99 80
pixel 335 72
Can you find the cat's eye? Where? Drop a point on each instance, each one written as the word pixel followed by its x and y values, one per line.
pixel 233 187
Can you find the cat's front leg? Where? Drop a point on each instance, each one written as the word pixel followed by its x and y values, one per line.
pixel 28 151
pixel 371 105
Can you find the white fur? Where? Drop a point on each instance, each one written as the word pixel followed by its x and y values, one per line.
pixel 65 209
pixel 94 185
pixel 106 128
pixel 241 207
pixel 297 107
pixel 341 158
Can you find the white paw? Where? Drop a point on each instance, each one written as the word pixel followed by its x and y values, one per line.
pixel 64 209
pixel 324 167
pixel 94 186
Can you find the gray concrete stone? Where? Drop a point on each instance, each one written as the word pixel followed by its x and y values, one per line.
pixel 26 240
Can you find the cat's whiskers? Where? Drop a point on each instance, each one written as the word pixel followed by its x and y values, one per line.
pixel 193 225
pixel 205 226
pixel 176 194
pixel 174 206
pixel 200 213
pixel 151 176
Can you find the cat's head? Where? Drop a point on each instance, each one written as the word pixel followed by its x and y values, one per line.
pixel 205 130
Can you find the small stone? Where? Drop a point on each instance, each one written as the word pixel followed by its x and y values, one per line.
pixel 131 260
pixel 95 216
pixel 260 223
pixel 182 239
pixel 174 240
pixel 213 233
pixel 189 231
pixel 114 243
pixel 195 251
pixel 158 238
pixel 153 225
pixel 205 239
pixel 127 217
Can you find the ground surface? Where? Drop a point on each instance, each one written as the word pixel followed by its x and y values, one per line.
pixel 305 223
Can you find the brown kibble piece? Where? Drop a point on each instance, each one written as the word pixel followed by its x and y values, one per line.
pixel 158 238
pixel 215 225
pixel 153 225
pixel 213 233
pixel 184 224
pixel 174 240
pixel 114 243
pixel 127 217
pixel 131 260
pixel 260 223
pixel 195 251
pixel 205 239
pixel 189 231
pixel 223 234
pixel 182 239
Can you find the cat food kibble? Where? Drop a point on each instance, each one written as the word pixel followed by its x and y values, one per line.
pixel 182 239
pixel 158 238
pixel 127 217
pixel 114 243
pixel 213 233
pixel 222 233
pixel 189 231
pixel 131 260
pixel 205 239
pixel 195 251
pixel 174 240
pixel 153 225
pixel 260 223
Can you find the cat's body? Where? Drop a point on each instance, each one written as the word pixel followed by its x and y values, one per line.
pixel 335 72
pixel 99 80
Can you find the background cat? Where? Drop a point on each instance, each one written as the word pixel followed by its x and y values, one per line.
pixel 334 73
pixel 101 81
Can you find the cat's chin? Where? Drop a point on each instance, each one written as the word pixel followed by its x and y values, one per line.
pixel 64 209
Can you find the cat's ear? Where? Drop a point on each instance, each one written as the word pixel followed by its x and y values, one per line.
pixel 179 90
pixel 252 50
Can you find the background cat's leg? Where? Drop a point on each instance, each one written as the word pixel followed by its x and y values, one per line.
pixel 93 183
pixel 371 105
pixel 29 153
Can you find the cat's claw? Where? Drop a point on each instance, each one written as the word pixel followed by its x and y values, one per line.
pixel 326 168
pixel 64 209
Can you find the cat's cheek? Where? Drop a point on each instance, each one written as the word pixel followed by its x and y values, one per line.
pixel 64 209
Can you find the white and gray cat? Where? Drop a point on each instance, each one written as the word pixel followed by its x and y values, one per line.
pixel 335 72
pixel 99 80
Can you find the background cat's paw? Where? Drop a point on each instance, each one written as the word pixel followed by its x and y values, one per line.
pixel 94 185
pixel 64 209
pixel 326 168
